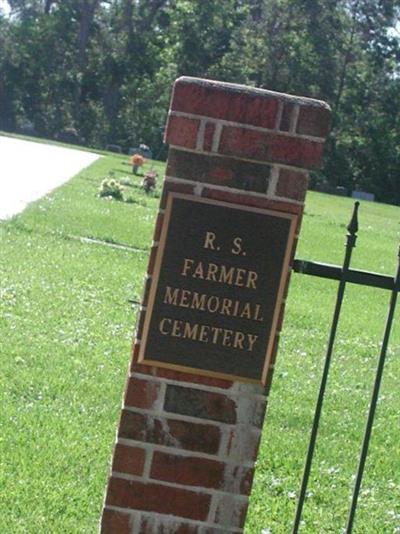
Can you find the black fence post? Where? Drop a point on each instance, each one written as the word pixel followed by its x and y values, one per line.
pixel 374 400
pixel 350 244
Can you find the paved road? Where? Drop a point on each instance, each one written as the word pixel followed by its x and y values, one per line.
pixel 30 170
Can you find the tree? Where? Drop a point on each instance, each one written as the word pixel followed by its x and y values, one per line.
pixel 111 73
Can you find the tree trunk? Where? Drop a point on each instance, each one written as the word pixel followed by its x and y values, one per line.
pixel 87 11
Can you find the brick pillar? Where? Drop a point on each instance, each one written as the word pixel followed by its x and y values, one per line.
pixel 186 444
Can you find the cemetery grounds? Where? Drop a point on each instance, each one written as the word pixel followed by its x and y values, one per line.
pixel 70 266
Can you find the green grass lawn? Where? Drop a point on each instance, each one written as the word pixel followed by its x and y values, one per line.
pixel 66 327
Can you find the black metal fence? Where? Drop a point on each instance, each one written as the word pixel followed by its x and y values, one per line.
pixel 346 275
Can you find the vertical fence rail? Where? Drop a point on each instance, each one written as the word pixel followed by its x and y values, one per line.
pixel 374 400
pixel 350 244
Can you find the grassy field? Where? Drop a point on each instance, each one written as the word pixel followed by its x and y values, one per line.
pixel 65 330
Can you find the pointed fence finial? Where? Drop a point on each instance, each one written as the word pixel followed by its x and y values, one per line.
pixel 353 224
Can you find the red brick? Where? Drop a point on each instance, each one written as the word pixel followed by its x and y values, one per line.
pixel 293 254
pixel 270 372
pixel 231 511
pixel 148 525
pixel 299 221
pixel 182 131
pixel 142 393
pixel 250 200
pixel 146 291
pixel 248 105
pixel 189 471
pixel 212 530
pixel 166 525
pixel 135 352
pixel 179 529
pixel 195 437
pixel 158 227
pixel 292 184
pixel 281 318
pixel 237 479
pixel 287 111
pixel 227 172
pixel 173 187
pixel 225 101
pixel 246 480
pixel 128 459
pixel 170 432
pixel 255 410
pixel 140 324
pixel 287 280
pixel 158 498
pixel 152 260
pixel 242 445
pixel 194 379
pixel 192 471
pixel 314 121
pixel 175 375
pixel 180 376
pixel 260 146
pixel 113 522
pixel 143 368
pixel 268 380
pixel 208 136
pixel 198 403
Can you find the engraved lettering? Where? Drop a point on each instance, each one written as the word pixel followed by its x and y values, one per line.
pixel 226 306
pixel 237 246
pixel 216 332
pixel 213 304
pixel 222 274
pixel 198 301
pixel 190 332
pixel 207 334
pixel 185 295
pixel 187 263
pixel 251 339
pixel 199 271
pixel 203 336
pixel 238 340
pixel 252 279
pixel 176 331
pixel 161 326
pixel 226 275
pixel 209 240
pixel 246 312
pixel 257 315
pixel 185 298
pixel 212 271
pixel 227 338
pixel 215 296
pixel 171 296
pixel 239 277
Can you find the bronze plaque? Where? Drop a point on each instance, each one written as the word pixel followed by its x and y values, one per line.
pixel 217 288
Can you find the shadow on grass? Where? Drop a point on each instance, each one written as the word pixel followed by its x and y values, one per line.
pixel 121 171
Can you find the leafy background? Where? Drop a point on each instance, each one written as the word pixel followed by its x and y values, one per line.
pixel 105 68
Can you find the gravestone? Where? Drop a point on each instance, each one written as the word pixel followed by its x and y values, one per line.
pixel 143 150
pixel 212 308
pixel 363 195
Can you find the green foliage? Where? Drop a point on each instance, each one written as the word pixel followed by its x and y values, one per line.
pixel 110 75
